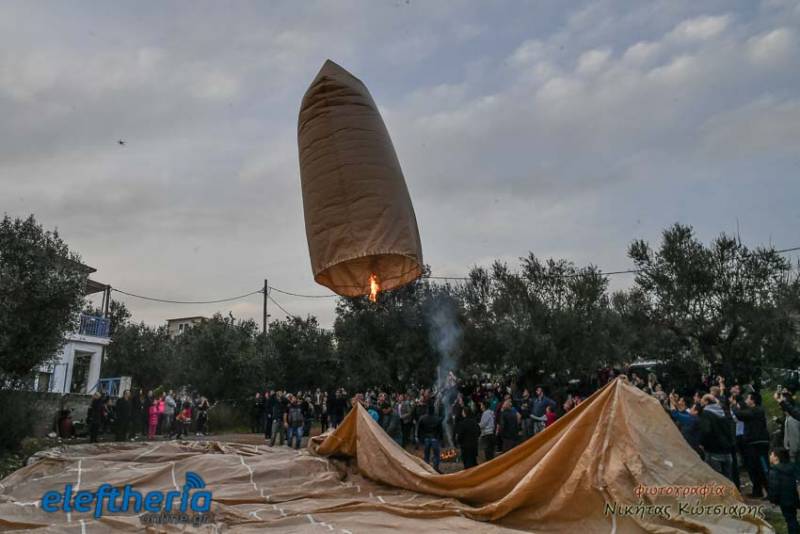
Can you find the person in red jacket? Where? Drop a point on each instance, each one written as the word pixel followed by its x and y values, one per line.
pixel 184 420
pixel 550 416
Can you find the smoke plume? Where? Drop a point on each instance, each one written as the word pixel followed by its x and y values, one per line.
pixel 445 337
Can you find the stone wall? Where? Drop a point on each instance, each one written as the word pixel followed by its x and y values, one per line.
pixel 45 407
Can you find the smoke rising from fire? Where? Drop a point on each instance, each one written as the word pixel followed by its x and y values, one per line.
pixel 446 336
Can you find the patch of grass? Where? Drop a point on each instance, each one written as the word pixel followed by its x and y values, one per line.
pixel 227 418
pixel 31 446
pixel 772 410
pixel 770 405
pixel 10 461
pixel 775 518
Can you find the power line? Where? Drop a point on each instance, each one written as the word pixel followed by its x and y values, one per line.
pixel 301 295
pixel 216 301
pixel 601 273
pixel 168 301
pixel 276 303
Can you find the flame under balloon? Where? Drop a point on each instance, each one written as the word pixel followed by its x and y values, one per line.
pixel 374 287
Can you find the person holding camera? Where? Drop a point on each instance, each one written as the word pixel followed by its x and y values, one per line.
pixel 716 436
pixel 791 426
pixel 755 440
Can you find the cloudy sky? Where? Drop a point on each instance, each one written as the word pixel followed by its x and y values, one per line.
pixel 563 128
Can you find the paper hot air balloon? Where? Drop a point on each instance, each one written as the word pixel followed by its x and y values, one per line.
pixel 360 224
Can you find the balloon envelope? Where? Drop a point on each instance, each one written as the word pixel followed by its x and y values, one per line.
pixel 358 213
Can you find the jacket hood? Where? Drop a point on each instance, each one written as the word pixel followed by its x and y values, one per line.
pixel 716 409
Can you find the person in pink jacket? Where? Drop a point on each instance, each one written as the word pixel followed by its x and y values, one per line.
pixel 156 410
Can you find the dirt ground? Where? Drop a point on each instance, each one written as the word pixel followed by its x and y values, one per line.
pixel 258 439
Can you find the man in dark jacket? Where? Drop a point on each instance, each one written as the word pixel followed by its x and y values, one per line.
pixel 429 432
pixel 269 402
pixel 467 434
pixel 541 402
pixel 294 421
pixel 279 408
pixel 331 406
pixel 508 427
pixel 95 416
pixel 405 411
pixel 687 419
pixel 123 420
pixel 525 411
pixel 308 415
pixel 716 436
pixel 256 413
pixel 755 442
pixel 339 408
pixel 539 407
pixel 783 488
pixel 136 413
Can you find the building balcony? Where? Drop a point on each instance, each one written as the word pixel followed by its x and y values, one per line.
pixel 93 325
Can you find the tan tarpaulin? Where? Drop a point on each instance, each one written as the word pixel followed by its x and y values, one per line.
pixel 358 213
pixel 255 489
pixel 559 481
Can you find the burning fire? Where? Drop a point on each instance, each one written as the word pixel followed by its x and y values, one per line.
pixel 448 455
pixel 374 287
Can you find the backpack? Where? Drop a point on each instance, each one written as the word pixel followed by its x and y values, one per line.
pixel 295 416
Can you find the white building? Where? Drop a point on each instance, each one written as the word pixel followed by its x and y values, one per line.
pixel 180 325
pixel 77 367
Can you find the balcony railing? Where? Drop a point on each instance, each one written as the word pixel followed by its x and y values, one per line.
pixel 92 325
pixel 109 386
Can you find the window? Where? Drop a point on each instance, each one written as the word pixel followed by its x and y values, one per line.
pixel 80 372
pixel 43 384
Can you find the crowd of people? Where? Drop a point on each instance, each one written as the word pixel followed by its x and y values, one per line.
pixel 724 423
pixel 141 416
pixel 476 419
pixel 471 415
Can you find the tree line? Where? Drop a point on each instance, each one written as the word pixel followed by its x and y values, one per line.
pixel 721 307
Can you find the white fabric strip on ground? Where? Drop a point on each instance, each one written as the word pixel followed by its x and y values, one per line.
pixel 147 452
pixel 174 482
pixel 80 471
pixel 249 470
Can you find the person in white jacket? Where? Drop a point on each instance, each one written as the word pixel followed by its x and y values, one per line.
pixel 487 425
pixel 169 414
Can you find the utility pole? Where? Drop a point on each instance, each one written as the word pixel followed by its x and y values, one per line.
pixel 106 305
pixel 264 325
